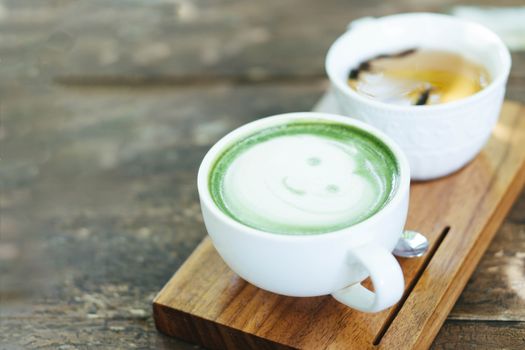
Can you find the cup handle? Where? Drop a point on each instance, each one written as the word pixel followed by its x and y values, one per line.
pixel 386 275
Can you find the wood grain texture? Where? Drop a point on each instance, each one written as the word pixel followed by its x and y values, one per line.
pixel 485 335
pixel 495 291
pixel 113 210
pixel 97 196
pixel 208 304
pixel 98 203
pixel 181 42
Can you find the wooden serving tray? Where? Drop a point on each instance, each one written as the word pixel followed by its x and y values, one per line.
pixel 208 304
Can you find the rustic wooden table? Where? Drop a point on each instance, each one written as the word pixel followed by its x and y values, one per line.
pixel 106 111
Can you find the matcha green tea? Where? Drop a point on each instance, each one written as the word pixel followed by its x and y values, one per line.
pixel 304 178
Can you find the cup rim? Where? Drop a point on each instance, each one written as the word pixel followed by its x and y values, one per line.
pixel 495 83
pixel 247 129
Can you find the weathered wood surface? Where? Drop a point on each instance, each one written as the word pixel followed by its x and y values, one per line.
pixel 98 203
pixel 497 289
pixel 184 41
pixel 482 335
pixel 99 206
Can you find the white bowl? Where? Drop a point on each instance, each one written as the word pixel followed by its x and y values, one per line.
pixel 437 139
pixel 313 265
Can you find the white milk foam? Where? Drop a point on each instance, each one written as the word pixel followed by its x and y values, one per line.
pixel 299 181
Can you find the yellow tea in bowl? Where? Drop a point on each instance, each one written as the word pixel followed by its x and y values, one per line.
pixel 418 77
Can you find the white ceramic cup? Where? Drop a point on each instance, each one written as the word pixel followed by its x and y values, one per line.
pixel 437 139
pixel 313 265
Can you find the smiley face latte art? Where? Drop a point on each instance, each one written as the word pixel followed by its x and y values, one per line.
pixel 304 178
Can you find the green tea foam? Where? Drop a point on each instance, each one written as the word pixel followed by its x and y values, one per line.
pixel 304 178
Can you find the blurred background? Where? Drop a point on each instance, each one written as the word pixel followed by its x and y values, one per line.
pixel 107 108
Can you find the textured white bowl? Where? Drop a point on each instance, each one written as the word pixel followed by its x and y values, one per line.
pixel 437 139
